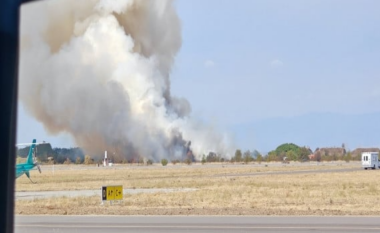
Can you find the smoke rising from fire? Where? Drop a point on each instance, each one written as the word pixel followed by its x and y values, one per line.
pixel 100 71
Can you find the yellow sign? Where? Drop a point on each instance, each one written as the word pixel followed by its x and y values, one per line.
pixel 111 193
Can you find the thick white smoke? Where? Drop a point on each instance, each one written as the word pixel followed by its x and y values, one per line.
pixel 99 70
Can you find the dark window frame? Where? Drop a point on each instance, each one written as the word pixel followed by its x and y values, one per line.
pixel 9 45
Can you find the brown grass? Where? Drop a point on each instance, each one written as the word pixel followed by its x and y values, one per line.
pixel 345 193
pixel 74 177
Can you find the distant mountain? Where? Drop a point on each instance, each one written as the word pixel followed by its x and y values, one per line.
pixel 313 130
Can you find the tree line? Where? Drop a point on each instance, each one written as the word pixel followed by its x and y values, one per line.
pixel 45 153
pixel 284 152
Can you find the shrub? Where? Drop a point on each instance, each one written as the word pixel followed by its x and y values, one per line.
pixel 88 160
pixel 259 158
pixel 67 161
pixel 188 161
pixel 149 162
pixel 203 160
pixel 174 162
pixel 164 162
pixel 140 160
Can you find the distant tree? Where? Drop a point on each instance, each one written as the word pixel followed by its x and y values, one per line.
pixel 175 161
pixel 78 161
pixel 67 161
pixel 60 154
pixel 43 151
pixel 291 151
pixel 348 157
pixel 23 152
pixel 164 162
pixel 272 156
pixel 188 161
pixel 291 155
pixel 212 157
pixel 304 154
pixel 238 156
pixel 140 161
pixel 149 162
pixel 259 158
pixel 88 159
pixel 203 159
pixel 283 148
pixel 317 156
pixel 255 154
pixel 247 157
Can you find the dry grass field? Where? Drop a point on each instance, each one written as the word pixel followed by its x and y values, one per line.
pixel 329 193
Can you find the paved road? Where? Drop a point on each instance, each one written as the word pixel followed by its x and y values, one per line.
pixel 210 224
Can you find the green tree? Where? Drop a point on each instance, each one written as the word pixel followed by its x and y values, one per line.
pixel 272 156
pixel 283 148
pixel 291 155
pixel 43 151
pixel 212 157
pixel 255 154
pixel 259 158
pixel 291 151
pixel 61 154
pixel 203 159
pixel 164 162
pixel 304 154
pixel 238 156
pixel 348 157
pixel 247 157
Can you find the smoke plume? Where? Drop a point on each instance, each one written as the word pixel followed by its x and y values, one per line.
pixel 100 71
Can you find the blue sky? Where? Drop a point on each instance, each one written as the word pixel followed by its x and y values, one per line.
pixel 257 68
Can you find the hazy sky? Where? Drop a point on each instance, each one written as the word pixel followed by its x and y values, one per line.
pixel 244 62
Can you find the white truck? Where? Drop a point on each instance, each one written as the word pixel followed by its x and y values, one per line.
pixel 370 160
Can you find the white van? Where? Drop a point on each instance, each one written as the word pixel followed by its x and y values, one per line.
pixel 370 160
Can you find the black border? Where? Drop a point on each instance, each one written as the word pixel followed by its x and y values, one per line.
pixel 9 39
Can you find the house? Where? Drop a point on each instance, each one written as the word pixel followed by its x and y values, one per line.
pixel 358 151
pixel 329 151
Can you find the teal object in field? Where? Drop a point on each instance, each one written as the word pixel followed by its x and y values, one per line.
pixel 24 168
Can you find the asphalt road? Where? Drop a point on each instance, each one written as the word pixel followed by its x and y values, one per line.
pixel 220 224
